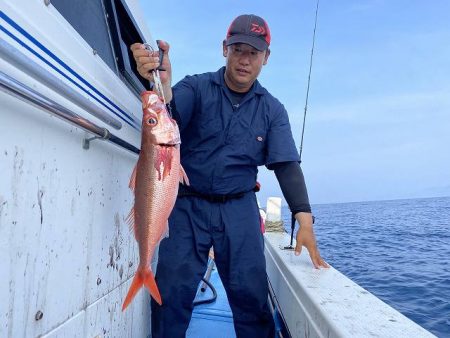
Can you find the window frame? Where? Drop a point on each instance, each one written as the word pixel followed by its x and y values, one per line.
pixel 124 63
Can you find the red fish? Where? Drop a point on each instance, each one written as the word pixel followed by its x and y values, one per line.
pixel 155 181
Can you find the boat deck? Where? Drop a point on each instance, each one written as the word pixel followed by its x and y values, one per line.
pixel 213 320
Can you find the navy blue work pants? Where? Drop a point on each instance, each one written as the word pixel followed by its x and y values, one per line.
pixel 233 228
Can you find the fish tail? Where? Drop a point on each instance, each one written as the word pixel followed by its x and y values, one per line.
pixel 150 284
pixel 143 277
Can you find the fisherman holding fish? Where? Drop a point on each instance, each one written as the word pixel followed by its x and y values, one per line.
pixel 229 125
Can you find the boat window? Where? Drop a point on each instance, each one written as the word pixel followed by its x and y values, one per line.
pixel 109 28
pixel 88 19
pixel 125 32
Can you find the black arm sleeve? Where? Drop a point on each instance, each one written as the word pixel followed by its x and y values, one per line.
pixel 292 184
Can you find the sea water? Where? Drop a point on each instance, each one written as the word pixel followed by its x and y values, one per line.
pixel 398 250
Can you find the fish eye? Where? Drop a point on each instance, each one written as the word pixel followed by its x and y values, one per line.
pixel 152 121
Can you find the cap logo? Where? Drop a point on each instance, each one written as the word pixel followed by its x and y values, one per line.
pixel 258 29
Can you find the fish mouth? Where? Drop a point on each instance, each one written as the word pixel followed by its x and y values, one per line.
pixel 167 145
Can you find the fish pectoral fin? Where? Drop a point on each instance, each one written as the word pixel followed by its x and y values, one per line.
pixel 132 183
pixel 166 233
pixel 183 177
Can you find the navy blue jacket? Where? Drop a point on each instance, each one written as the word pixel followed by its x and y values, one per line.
pixel 222 145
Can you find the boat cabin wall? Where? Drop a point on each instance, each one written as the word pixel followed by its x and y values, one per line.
pixel 67 253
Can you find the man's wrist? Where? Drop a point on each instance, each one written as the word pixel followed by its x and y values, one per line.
pixel 305 219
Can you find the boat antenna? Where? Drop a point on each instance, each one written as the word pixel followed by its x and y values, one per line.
pixel 304 114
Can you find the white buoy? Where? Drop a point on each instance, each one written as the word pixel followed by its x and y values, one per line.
pixel 273 214
pixel 273 209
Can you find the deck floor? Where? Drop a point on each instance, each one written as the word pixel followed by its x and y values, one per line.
pixel 213 320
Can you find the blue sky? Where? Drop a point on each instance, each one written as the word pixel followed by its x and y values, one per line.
pixel 378 121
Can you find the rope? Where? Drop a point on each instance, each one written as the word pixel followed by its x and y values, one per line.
pixel 274 226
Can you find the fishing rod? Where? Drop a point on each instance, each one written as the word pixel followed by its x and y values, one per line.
pixel 293 220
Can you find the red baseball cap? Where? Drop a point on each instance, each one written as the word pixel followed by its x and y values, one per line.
pixel 249 29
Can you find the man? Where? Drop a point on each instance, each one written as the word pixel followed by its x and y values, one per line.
pixel 229 125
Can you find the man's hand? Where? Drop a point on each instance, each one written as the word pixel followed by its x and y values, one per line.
pixel 147 61
pixel 306 237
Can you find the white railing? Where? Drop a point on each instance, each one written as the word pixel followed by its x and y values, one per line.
pixel 325 303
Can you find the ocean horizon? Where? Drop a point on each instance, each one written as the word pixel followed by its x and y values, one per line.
pixel 399 250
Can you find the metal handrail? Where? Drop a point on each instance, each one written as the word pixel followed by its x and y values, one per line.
pixel 18 89
pixel 27 65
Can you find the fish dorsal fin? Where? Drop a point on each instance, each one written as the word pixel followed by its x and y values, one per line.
pixel 183 177
pixel 132 184
pixel 130 220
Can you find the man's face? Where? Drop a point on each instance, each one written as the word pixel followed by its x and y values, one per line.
pixel 243 65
